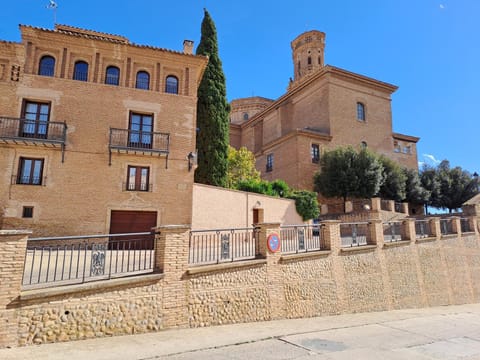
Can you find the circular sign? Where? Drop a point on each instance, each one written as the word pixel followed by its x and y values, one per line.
pixel 273 242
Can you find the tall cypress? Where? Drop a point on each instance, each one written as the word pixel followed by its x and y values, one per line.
pixel 212 112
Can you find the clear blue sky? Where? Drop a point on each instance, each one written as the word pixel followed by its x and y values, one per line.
pixel 429 48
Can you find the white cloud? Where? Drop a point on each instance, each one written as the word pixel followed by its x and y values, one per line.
pixel 442 6
pixel 430 159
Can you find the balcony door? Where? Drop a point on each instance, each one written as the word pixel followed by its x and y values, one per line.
pixel 35 120
pixel 140 132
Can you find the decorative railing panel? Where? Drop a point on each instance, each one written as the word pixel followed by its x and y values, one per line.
pixel 124 139
pixel 465 225
pixel 301 238
pixel 354 234
pixel 422 229
pixel 72 260
pixel 446 226
pixel 392 231
pixel 32 131
pixel 222 245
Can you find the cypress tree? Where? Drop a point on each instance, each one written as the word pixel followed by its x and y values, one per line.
pixel 212 112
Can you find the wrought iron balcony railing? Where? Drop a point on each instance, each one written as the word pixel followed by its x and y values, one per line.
pixel 139 142
pixel 33 132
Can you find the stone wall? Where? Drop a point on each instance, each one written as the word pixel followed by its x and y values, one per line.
pixel 411 273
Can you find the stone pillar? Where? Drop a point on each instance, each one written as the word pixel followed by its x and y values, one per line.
pixel 331 236
pixel 13 247
pixel 391 205
pixel 405 208
pixel 408 230
pixel 456 225
pixel 375 233
pixel 376 204
pixel 275 288
pixel 472 223
pixel 171 258
pixel 434 223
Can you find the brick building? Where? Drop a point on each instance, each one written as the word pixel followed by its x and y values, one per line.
pixel 95 132
pixel 323 108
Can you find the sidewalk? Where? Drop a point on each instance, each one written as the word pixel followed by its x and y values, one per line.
pixel 450 332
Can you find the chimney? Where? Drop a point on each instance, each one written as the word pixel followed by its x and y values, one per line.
pixel 188 47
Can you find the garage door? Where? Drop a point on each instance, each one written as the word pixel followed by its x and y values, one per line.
pixel 122 222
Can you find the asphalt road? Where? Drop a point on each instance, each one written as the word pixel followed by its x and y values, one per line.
pixel 449 332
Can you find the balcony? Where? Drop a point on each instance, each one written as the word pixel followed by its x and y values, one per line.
pixel 33 132
pixel 139 143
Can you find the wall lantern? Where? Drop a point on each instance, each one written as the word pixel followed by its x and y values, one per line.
pixel 192 160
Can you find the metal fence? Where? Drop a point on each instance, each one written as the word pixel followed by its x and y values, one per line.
pixel 354 234
pixel 301 238
pixel 446 226
pixel 392 231
pixel 78 259
pixel 222 245
pixel 465 225
pixel 422 229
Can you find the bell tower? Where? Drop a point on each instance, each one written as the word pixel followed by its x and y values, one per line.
pixel 308 53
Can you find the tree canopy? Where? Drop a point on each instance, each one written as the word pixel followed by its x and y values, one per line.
pixel 346 173
pixel 394 180
pixel 212 112
pixel 241 167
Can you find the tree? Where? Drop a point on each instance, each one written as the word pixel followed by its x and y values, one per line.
pixel 347 173
pixel 456 186
pixel 415 193
pixel 394 180
pixel 429 181
pixel 212 112
pixel 241 166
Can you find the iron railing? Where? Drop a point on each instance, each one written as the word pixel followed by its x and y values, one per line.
pixel 398 207
pixel 301 238
pixel 385 205
pixel 77 259
pixel 354 234
pixel 422 229
pixel 465 225
pixel 222 245
pixel 28 180
pixel 446 226
pixel 125 139
pixel 29 131
pixel 392 231
pixel 143 186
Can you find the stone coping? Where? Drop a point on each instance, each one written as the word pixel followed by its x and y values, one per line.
pixel 224 266
pixel 304 256
pixel 14 232
pixel 427 239
pixel 449 236
pixel 102 285
pixel 358 248
pixel 388 244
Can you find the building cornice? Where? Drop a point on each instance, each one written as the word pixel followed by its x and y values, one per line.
pixel 404 137
pixel 326 70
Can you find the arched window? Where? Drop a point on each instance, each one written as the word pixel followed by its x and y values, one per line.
pixel 309 60
pixel 171 85
pixel 80 71
pixel 143 80
pixel 46 66
pixel 112 75
pixel 245 116
pixel 364 144
pixel 360 111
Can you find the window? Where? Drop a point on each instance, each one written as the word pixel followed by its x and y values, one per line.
pixel 407 149
pixel 140 131
pixel 35 120
pixel 360 111
pixel 245 116
pixel 363 144
pixel 396 147
pixel 46 66
pixel 112 75
pixel 143 80
pixel 315 153
pixel 309 60
pixel 137 178
pixel 171 85
pixel 27 212
pixel 269 162
pixel 80 71
pixel 30 171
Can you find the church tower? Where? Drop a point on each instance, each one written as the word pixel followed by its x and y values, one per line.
pixel 308 53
